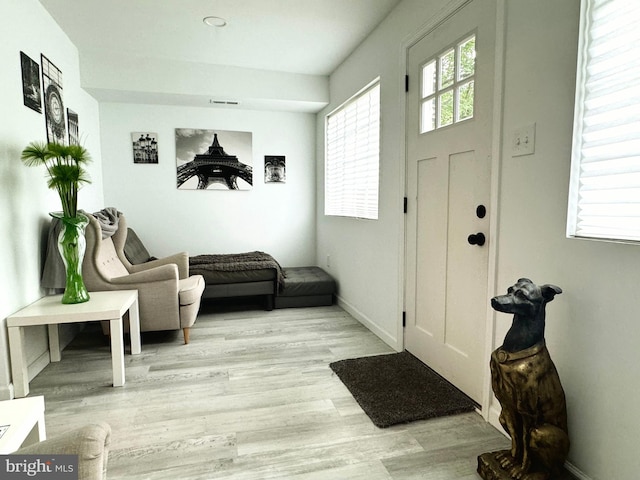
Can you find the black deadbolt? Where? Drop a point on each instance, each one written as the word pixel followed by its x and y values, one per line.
pixel 481 211
pixel 477 239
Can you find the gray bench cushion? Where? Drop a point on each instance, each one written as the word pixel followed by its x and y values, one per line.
pixel 299 281
pixel 306 287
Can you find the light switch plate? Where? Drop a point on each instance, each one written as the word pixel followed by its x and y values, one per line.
pixel 523 141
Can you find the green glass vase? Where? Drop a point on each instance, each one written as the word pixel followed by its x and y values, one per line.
pixel 72 245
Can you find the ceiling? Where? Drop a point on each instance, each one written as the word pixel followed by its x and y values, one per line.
pixel 296 36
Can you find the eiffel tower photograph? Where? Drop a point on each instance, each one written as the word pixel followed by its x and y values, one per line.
pixel 213 159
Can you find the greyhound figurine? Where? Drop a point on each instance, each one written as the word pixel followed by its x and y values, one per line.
pixel 526 383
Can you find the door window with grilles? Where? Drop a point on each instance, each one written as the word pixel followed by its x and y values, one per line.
pixel 447 93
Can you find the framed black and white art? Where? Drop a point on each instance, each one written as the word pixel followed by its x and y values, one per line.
pixel 145 147
pixel 275 169
pixel 74 131
pixel 31 92
pixel 213 159
pixel 53 104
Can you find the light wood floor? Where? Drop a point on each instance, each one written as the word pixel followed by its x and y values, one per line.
pixel 251 397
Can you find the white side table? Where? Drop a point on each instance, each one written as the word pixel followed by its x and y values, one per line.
pixel 111 306
pixel 25 419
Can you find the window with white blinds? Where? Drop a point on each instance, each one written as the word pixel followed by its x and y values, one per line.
pixel 352 156
pixel 604 197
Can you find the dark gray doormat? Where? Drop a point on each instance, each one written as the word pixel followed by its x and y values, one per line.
pixel 399 388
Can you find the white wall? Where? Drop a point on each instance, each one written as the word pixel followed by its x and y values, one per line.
pixel 275 218
pixel 24 198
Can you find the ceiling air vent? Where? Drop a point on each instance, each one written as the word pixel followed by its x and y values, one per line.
pixel 222 102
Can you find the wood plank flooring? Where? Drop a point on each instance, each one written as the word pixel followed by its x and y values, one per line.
pixel 251 397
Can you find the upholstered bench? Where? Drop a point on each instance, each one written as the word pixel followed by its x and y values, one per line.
pixel 306 287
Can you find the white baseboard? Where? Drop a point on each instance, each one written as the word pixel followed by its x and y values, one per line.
pixel 38 365
pixel 494 419
pixel 6 392
pixel 363 319
pixel 576 472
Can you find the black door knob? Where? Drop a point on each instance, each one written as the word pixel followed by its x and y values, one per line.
pixel 477 239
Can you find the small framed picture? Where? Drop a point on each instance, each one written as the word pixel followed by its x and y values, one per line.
pixel 72 125
pixel 145 147
pixel 275 169
pixel 31 92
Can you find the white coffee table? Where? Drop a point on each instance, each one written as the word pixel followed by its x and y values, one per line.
pixel 25 419
pixel 50 311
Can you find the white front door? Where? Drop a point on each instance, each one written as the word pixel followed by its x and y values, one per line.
pixel 449 119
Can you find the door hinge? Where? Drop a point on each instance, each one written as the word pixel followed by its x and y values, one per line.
pixel 406 83
pixel 405 204
pixel 404 319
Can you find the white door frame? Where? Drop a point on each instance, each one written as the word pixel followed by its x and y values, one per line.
pixel 489 413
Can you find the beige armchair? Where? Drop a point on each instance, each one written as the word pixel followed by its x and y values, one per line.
pixel 168 297
pixel 91 444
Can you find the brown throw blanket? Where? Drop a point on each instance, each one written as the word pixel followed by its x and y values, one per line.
pixel 235 262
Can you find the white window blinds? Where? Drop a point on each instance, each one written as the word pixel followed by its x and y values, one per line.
pixel 353 155
pixel 604 198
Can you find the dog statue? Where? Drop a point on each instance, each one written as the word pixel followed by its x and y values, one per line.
pixel 526 383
